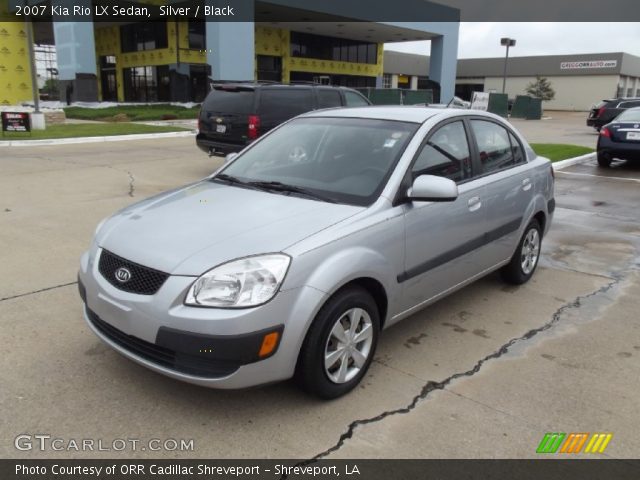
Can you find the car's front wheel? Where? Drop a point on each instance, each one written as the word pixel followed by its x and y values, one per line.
pixel 340 344
pixel 525 260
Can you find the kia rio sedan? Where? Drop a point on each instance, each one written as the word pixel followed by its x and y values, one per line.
pixel 293 257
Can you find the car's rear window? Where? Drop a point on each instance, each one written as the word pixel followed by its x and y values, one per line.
pixel 230 100
pixel 629 116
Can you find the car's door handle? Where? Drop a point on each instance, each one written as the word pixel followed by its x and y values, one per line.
pixel 474 204
pixel 526 184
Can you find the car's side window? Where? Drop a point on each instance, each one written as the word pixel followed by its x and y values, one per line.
pixel 446 154
pixel 494 146
pixel 516 147
pixel 328 98
pixel 354 100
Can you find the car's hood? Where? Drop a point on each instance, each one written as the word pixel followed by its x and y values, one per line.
pixel 189 231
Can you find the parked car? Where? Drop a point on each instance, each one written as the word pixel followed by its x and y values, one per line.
pixel 605 111
pixel 620 138
pixel 235 114
pixel 292 258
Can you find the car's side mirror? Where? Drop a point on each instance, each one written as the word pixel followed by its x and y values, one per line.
pixel 429 188
pixel 230 157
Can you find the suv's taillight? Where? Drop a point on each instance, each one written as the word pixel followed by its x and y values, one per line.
pixel 605 132
pixel 254 127
pixel 600 111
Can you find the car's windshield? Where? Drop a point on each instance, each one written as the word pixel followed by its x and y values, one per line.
pixel 629 116
pixel 345 160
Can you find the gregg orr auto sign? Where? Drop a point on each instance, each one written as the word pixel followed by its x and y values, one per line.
pixel 589 64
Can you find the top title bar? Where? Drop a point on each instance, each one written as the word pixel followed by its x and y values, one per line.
pixel 412 11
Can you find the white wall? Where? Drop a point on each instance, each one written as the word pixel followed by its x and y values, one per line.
pixel 572 92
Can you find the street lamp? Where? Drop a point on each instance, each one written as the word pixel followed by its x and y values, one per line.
pixel 506 42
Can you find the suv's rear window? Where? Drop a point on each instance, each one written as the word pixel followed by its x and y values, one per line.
pixel 230 100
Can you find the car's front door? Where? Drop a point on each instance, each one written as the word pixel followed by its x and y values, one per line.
pixel 442 238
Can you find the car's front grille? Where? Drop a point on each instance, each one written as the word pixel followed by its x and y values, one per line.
pixel 132 277
pixel 180 362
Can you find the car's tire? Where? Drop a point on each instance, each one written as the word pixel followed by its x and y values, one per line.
pixel 315 371
pixel 604 160
pixel 525 259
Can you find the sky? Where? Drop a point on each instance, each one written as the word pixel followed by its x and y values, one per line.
pixel 482 39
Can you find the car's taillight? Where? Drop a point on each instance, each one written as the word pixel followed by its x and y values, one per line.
pixel 254 127
pixel 199 123
pixel 600 111
pixel 605 132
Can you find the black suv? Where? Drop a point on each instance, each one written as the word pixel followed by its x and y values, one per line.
pixel 235 114
pixel 605 111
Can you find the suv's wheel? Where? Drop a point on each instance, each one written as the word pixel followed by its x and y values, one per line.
pixel 525 260
pixel 604 160
pixel 340 344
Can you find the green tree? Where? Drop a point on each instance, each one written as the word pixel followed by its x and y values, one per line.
pixel 541 88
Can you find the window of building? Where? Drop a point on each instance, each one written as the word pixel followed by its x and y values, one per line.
pixel 329 48
pixel 386 80
pixel 446 154
pixel 136 37
pixel 197 35
pixel 147 84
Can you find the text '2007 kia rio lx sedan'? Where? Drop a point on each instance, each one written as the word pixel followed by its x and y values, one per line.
pixel 291 258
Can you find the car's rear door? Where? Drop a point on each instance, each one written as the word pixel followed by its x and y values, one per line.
pixel 442 237
pixel 225 113
pixel 509 188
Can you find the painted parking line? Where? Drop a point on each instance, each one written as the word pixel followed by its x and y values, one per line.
pixel 598 176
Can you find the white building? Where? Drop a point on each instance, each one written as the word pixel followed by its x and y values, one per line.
pixel 578 80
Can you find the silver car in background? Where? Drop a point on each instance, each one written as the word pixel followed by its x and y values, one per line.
pixel 292 258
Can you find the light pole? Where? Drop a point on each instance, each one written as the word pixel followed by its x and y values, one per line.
pixel 506 42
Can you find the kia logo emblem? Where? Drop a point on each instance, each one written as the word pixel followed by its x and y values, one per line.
pixel 123 275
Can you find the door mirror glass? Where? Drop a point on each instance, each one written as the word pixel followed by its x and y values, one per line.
pixel 429 188
pixel 230 157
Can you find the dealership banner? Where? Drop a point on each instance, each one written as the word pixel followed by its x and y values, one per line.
pixel 319 469
pixel 589 64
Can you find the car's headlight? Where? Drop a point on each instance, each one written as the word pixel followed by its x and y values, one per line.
pixel 246 282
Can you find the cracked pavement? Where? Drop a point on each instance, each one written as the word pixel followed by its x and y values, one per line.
pixel 483 373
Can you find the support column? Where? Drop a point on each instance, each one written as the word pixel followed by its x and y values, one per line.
pixel 394 80
pixel 76 49
pixel 443 64
pixel 413 82
pixel 231 48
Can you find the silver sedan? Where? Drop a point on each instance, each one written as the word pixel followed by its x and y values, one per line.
pixel 292 258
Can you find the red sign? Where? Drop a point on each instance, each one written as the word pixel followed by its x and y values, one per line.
pixel 16 122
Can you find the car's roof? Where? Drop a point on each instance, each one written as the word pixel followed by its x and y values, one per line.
pixel 393 112
pixel 266 84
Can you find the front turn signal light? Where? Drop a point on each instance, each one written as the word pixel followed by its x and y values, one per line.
pixel 269 343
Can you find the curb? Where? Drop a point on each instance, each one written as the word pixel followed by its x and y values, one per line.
pixel 573 161
pixel 77 140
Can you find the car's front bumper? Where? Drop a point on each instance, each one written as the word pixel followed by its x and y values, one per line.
pixel 206 346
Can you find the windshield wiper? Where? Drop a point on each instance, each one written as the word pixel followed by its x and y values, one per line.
pixel 283 187
pixel 229 178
